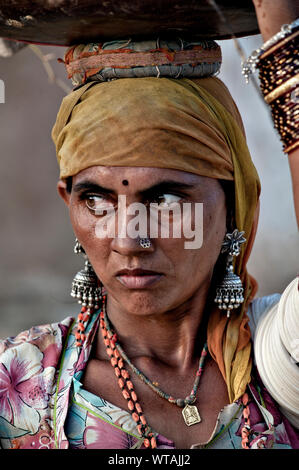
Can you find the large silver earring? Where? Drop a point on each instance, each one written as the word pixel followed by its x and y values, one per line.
pixel 229 294
pixel 85 284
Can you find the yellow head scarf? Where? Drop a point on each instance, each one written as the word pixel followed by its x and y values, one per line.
pixel 189 125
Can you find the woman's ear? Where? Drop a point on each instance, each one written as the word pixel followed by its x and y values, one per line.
pixel 63 192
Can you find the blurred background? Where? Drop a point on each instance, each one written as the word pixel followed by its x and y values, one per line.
pixel 37 263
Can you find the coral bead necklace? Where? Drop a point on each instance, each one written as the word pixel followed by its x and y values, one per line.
pixel 118 357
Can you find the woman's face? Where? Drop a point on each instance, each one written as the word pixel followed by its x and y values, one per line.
pixel 170 272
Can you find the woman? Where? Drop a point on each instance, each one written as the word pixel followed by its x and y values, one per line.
pixel 149 330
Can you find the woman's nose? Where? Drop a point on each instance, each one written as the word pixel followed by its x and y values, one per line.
pixel 128 238
pixel 129 246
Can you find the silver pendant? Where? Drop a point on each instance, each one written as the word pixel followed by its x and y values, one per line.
pixel 191 415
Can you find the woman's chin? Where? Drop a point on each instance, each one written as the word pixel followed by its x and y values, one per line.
pixel 143 302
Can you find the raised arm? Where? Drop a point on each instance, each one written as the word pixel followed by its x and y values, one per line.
pixel 271 15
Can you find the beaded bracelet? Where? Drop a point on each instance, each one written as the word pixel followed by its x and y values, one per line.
pixel 278 64
pixel 285 113
pixel 250 65
pixel 279 79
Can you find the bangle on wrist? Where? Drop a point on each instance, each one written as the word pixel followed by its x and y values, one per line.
pixel 282 89
pixel 250 65
pixel 278 64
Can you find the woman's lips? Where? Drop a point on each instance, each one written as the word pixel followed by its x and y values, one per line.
pixel 138 278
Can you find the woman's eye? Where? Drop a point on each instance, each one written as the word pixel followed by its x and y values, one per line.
pixel 98 205
pixel 167 200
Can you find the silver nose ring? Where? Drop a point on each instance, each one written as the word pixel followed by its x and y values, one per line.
pixel 145 242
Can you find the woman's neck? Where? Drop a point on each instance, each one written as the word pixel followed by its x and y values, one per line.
pixel 174 337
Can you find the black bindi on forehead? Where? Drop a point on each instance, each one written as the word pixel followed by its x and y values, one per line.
pixel 125 182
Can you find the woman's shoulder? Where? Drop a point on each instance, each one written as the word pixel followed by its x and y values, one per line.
pixel 40 337
pixel 28 377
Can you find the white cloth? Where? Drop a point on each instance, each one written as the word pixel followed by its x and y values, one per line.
pixel 274 324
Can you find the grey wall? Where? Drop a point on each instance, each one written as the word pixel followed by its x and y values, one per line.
pixel 36 241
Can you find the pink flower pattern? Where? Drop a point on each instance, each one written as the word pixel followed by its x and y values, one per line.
pixel 24 386
pixel 37 370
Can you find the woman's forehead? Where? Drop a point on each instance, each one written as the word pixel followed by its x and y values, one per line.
pixel 136 176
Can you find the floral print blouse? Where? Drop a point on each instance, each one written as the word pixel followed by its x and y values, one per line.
pixel 43 404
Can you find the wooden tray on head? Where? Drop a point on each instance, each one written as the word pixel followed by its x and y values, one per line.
pixel 67 22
